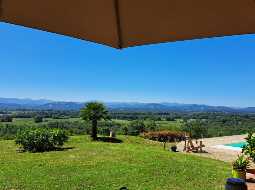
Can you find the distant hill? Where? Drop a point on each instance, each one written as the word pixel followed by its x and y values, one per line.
pixel 173 107
pixel 16 104
pixel 61 106
pixel 25 102
pixel 249 109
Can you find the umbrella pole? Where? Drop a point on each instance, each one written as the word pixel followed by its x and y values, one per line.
pixel 1 9
pixel 118 23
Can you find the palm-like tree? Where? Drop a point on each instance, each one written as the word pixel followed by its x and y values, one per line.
pixel 94 112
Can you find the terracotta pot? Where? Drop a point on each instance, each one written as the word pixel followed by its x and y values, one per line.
pixel 251 171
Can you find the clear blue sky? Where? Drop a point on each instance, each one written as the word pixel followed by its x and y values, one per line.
pixel 35 64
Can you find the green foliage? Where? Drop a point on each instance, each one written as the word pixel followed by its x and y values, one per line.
pixel 136 127
pixel 249 148
pixel 9 131
pixel 125 130
pixel 104 127
pixel 216 124
pixel 94 112
pixel 151 125
pixel 195 128
pixel 71 127
pixel 241 163
pixel 6 118
pixel 41 139
pixel 38 119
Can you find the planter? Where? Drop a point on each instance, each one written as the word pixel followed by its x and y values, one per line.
pixel 174 148
pixel 235 184
pixel 251 171
pixel 241 174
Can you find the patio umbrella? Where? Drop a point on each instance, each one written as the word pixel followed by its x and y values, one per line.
pixel 125 23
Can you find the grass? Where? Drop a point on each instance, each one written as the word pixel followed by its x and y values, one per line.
pixel 136 163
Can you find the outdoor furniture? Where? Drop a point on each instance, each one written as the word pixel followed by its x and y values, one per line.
pixel 190 147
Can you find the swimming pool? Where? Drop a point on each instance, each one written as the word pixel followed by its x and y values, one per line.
pixel 233 146
pixel 236 145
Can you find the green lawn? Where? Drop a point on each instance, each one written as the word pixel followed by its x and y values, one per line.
pixel 137 164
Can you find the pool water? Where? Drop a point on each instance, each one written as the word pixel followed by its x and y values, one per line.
pixel 237 145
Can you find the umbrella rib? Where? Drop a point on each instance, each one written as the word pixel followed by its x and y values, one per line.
pixel 118 24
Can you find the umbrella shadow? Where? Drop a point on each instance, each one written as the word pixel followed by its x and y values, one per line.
pixel 56 149
pixel 109 140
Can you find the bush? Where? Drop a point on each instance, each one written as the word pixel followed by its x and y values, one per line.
pixel 125 130
pixel 71 127
pixel 249 148
pixel 9 131
pixel 6 118
pixel 136 127
pixel 41 139
pixel 196 128
pixel 151 125
pixel 38 119
pixel 241 163
pixel 165 136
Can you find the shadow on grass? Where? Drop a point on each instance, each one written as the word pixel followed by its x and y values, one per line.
pixel 56 149
pixel 63 149
pixel 109 140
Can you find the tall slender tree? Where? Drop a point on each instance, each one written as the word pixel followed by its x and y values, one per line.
pixel 94 112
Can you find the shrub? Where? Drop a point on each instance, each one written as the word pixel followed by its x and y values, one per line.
pixel 71 127
pixel 41 139
pixel 136 127
pixel 125 130
pixel 105 127
pixel 165 136
pixel 9 131
pixel 241 163
pixel 6 118
pixel 38 119
pixel 249 148
pixel 151 125
pixel 195 128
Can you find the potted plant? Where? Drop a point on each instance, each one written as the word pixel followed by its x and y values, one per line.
pixel 174 148
pixel 240 166
pixel 249 150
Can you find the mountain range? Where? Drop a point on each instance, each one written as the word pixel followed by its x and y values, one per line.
pixel 42 104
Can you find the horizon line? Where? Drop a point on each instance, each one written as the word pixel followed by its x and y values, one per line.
pixel 125 101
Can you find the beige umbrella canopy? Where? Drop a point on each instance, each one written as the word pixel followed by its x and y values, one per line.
pixel 125 23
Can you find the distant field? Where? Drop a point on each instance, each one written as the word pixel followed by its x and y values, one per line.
pixel 137 164
pixel 169 125
pixel 30 121
pixel 162 125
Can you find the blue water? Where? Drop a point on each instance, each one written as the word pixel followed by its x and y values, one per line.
pixel 237 145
